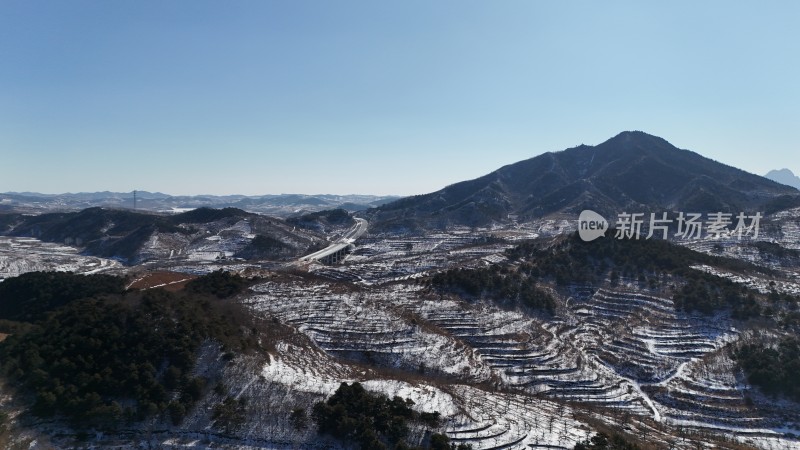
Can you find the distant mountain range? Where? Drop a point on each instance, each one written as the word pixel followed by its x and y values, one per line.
pixel 632 171
pixel 282 205
pixel 784 176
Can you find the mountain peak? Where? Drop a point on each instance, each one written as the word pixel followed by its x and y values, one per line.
pixel 634 134
pixel 636 139
pixel 631 171
pixel 784 176
pixel 783 171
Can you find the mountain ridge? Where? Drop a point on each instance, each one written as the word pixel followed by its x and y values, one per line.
pixel 136 236
pixel 282 205
pixel 631 170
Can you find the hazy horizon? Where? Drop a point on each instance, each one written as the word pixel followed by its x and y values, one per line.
pixel 194 195
pixel 378 98
pixel 202 194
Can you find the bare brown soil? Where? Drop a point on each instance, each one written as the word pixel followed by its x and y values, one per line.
pixel 170 281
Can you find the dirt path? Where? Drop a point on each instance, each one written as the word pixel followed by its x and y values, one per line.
pixel 171 281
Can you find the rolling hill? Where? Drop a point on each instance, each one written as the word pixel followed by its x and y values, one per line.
pixel 282 205
pixel 135 237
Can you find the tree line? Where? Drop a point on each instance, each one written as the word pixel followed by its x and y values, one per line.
pixel 499 283
pixel 571 260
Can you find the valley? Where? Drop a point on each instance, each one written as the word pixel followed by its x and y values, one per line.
pixel 479 310
pixel 611 356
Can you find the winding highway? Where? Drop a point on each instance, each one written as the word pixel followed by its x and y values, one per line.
pixel 343 242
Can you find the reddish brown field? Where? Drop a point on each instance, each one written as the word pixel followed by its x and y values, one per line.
pixel 171 281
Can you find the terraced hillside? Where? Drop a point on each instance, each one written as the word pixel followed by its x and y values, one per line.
pixel 20 255
pixel 617 352
pixel 614 354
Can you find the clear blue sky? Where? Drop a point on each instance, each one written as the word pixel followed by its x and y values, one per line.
pixel 379 97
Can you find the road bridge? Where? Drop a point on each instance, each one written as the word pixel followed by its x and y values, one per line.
pixel 337 251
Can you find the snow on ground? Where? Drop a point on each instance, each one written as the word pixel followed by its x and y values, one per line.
pixel 372 328
pixel 469 414
pixel 761 284
pixel 623 349
pixel 620 355
pixel 311 379
pixel 22 255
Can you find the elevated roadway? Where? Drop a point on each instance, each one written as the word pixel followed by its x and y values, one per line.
pixel 339 248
